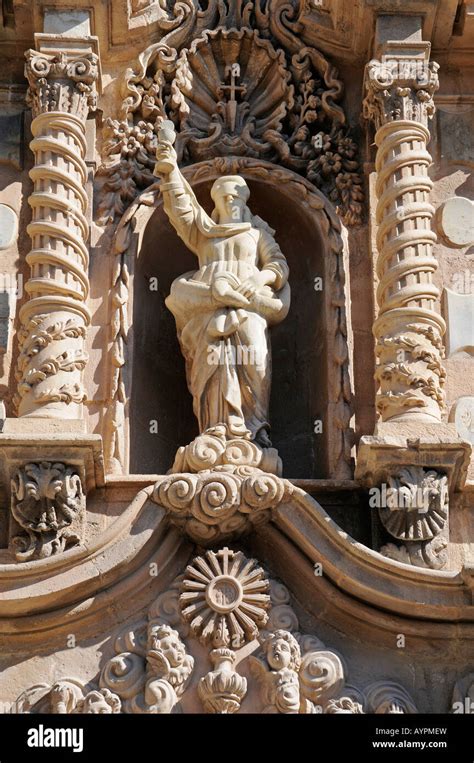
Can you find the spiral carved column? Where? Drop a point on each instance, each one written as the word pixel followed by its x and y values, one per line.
pixel 55 318
pixel 408 329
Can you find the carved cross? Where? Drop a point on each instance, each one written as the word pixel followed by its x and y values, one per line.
pixel 232 72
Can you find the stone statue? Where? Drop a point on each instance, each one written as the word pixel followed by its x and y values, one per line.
pixel 223 312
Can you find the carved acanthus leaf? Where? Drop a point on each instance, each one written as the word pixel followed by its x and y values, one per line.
pixel 62 82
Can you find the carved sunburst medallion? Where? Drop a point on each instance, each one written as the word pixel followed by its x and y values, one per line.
pixel 224 598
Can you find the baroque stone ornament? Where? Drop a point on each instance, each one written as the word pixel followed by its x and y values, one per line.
pixel 408 329
pixel 151 676
pixel 224 598
pixel 389 698
pixel 62 91
pixel 48 508
pixel 223 312
pixel 235 80
pixel 220 505
pixel 161 664
pixel 416 513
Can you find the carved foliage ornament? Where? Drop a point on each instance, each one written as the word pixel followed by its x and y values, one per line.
pixel 153 670
pixel 48 508
pixel 243 86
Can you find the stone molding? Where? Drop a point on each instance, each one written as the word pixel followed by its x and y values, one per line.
pixel 301 534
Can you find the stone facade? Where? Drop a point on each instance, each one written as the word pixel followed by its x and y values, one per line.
pixel 236 343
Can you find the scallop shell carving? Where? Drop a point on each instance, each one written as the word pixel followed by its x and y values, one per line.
pixel 417 504
pixel 231 87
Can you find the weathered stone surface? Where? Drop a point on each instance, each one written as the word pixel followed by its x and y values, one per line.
pixel 8 226
pixel 462 413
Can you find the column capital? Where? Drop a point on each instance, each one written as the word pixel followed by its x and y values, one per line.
pixel 62 76
pixel 401 84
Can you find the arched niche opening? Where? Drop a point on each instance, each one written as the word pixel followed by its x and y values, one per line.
pixel 310 362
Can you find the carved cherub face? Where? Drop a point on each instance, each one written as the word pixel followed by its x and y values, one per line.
pixel 279 654
pixel 101 702
pixel 167 643
pixel 282 651
pixel 230 195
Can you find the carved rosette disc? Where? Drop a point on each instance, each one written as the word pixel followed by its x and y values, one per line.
pixel 224 598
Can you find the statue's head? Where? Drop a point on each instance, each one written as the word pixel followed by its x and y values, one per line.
pixel 230 194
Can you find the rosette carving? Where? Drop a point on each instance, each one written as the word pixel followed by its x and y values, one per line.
pixel 224 598
pixel 219 608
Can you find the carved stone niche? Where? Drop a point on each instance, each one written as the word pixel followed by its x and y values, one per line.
pixel 310 354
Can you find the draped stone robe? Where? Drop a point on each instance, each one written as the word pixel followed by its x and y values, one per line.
pixel 226 349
